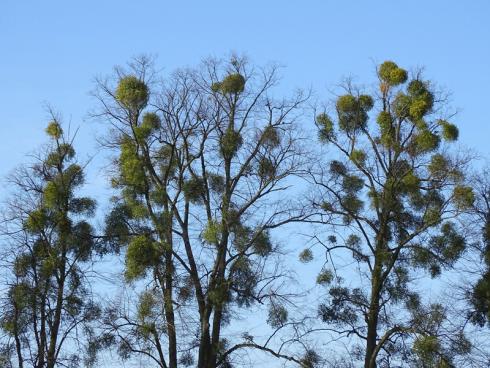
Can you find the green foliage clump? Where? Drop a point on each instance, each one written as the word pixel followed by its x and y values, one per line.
pixel 337 168
pixel 54 130
pixel 422 99
pixel 266 169
pixel 432 215
pixel 83 206
pixel 63 152
pixel 258 240
pixel 325 125
pixel 410 182
pixel 353 242
pixel 151 122
pixel 426 141
pixel 414 105
pixel 131 168
pixel 36 220
pixel 391 74
pixel 401 105
pixel 480 299
pixel 22 264
pixel 427 348
pixel 310 359
pixel 230 143
pixel 194 189
pixel 277 315
pixel 147 306
pixel 132 93
pixel 220 294
pixel 339 310
pixel 186 359
pixel 449 131
pixel 243 281
pixel 385 122
pixel 60 188
pixel 231 84
pixel 271 137
pixel 325 277
pixel 167 159
pixel 352 183
pixel 358 157
pixel 141 254
pixel 306 255
pixel 442 250
pixel 216 183
pixel 439 166
pixel 463 197
pixel 212 232
pixel 261 243
pixel 352 112
pixel 352 203
pixel 137 208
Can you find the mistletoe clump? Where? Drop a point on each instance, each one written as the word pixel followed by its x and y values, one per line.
pixel 353 111
pixel 230 143
pixel 231 84
pixel 391 74
pixel 132 93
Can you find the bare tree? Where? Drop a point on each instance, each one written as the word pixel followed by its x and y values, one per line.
pixel 206 161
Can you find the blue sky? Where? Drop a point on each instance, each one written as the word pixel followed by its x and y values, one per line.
pixel 51 50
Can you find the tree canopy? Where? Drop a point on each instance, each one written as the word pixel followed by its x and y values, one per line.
pixel 216 180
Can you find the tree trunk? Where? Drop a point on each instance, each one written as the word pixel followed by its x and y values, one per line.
pixel 169 312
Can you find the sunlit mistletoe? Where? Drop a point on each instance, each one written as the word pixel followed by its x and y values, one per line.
pixel 397 192
pixel 202 160
pixel 49 311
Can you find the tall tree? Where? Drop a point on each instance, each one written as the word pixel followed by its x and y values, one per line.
pixel 204 164
pixel 480 296
pixel 395 192
pixel 48 309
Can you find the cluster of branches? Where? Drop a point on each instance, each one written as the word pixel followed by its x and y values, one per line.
pixel 207 166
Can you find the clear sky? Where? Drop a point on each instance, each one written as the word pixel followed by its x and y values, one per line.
pixel 51 50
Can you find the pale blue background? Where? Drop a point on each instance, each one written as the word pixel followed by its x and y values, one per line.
pixel 50 51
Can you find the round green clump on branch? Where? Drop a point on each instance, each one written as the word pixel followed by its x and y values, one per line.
pixel 421 99
pixel 132 93
pixel 271 137
pixel 150 123
pixel 449 132
pixel 358 156
pixel 352 112
pixel 366 102
pixel 463 197
pixel 212 232
pixel 266 169
pixel 325 124
pixel 194 189
pixel 306 255
pixel 426 141
pixel 54 130
pixel 142 253
pixel 230 143
pixel 277 316
pixel 151 120
pixel 325 277
pixel 233 83
pixel 391 74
